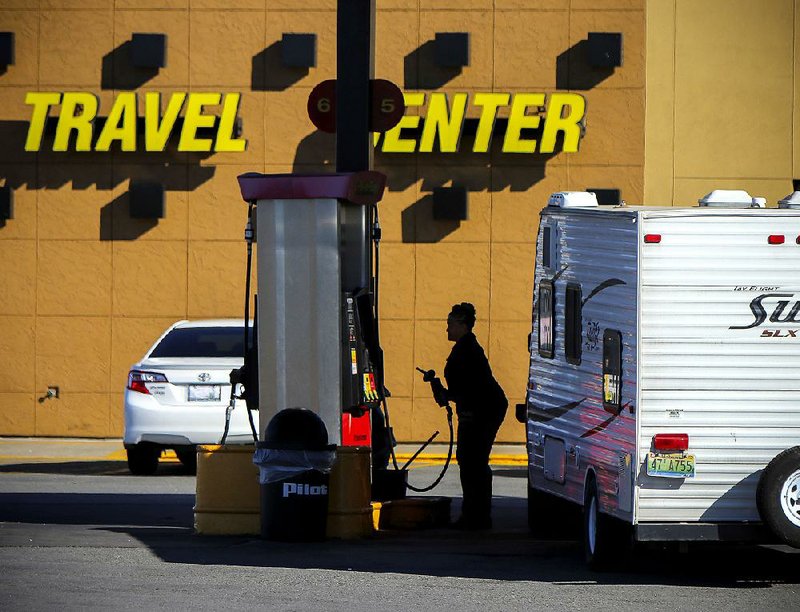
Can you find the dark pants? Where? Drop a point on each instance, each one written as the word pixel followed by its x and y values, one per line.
pixel 381 441
pixel 475 441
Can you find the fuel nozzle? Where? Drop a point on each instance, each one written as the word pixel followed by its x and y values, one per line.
pixel 427 375
pixel 439 392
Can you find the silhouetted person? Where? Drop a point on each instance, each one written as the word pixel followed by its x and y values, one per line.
pixel 480 407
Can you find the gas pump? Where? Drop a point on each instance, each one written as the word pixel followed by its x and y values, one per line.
pixel 318 341
pixel 363 371
pixel 310 312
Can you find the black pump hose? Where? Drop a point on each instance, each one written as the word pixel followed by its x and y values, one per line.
pixel 248 236
pixel 446 462
pixel 376 237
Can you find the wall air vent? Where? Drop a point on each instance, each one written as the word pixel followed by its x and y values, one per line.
pixel 149 50
pixel 606 197
pixel 6 49
pixel 604 49
pixel 451 49
pixel 146 200
pixel 450 203
pixel 299 50
pixel 6 203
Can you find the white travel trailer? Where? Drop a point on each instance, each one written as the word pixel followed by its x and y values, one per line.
pixel 664 386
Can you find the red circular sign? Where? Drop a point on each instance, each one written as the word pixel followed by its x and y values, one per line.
pixel 386 100
pixel 322 106
pixel 388 105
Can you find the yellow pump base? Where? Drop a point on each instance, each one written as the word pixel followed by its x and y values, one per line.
pixel 349 508
pixel 227 500
pixel 412 513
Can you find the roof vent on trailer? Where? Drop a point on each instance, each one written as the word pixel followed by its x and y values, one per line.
pixel 573 199
pixel 731 198
pixel 790 201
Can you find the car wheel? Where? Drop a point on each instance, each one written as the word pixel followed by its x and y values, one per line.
pixel 778 496
pixel 596 530
pixel 188 458
pixel 143 459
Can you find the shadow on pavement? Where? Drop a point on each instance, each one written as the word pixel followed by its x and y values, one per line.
pixel 496 555
pixel 103 509
pixel 163 523
pixel 511 472
pixel 89 468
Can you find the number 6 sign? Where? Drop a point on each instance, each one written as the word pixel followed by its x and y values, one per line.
pixel 386 98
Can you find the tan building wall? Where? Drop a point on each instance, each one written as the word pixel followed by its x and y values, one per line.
pixel 84 289
pixel 723 98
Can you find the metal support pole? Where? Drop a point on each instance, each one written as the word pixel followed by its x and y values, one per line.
pixel 349 509
pixel 355 66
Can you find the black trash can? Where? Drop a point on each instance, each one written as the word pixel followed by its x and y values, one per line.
pixel 294 462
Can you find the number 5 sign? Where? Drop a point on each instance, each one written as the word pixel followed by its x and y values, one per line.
pixel 386 98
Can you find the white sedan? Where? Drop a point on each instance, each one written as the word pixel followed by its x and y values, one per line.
pixel 177 395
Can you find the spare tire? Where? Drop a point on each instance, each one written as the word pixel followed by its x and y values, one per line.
pixel 778 496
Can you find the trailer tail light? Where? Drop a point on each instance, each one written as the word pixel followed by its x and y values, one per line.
pixel 652 238
pixel 798 240
pixel 776 239
pixel 137 380
pixel 671 442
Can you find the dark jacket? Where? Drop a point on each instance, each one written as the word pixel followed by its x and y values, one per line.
pixel 471 385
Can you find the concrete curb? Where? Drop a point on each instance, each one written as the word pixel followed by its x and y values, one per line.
pixel 40 450
pixel 437 459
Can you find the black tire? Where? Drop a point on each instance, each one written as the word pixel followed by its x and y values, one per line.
pixel 551 517
pixel 596 530
pixel 143 459
pixel 778 496
pixel 188 458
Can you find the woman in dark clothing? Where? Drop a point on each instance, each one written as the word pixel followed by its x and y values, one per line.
pixel 480 407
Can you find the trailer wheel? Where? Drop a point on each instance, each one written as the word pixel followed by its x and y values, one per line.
pixel 778 496
pixel 596 530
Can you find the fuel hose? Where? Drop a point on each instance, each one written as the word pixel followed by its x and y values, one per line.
pixel 248 236
pixel 376 238
pixel 446 462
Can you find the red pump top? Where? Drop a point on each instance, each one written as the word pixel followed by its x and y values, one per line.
pixel 363 188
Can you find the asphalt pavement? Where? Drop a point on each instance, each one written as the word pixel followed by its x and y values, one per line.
pixel 77 531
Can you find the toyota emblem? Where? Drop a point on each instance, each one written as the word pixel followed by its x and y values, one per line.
pixel 204 377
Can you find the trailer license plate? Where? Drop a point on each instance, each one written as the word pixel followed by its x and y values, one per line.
pixel 204 393
pixel 670 466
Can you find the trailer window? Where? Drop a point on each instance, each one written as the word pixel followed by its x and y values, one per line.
pixel 612 371
pixel 546 311
pixel 546 238
pixel 573 324
pixel 549 247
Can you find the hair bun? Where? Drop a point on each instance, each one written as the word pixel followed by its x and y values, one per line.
pixel 464 312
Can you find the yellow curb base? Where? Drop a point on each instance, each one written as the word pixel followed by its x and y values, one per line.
pixel 436 459
pixel 411 513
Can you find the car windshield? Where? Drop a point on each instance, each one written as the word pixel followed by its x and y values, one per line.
pixel 201 342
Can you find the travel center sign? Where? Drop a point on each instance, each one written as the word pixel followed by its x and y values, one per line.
pixel 438 130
